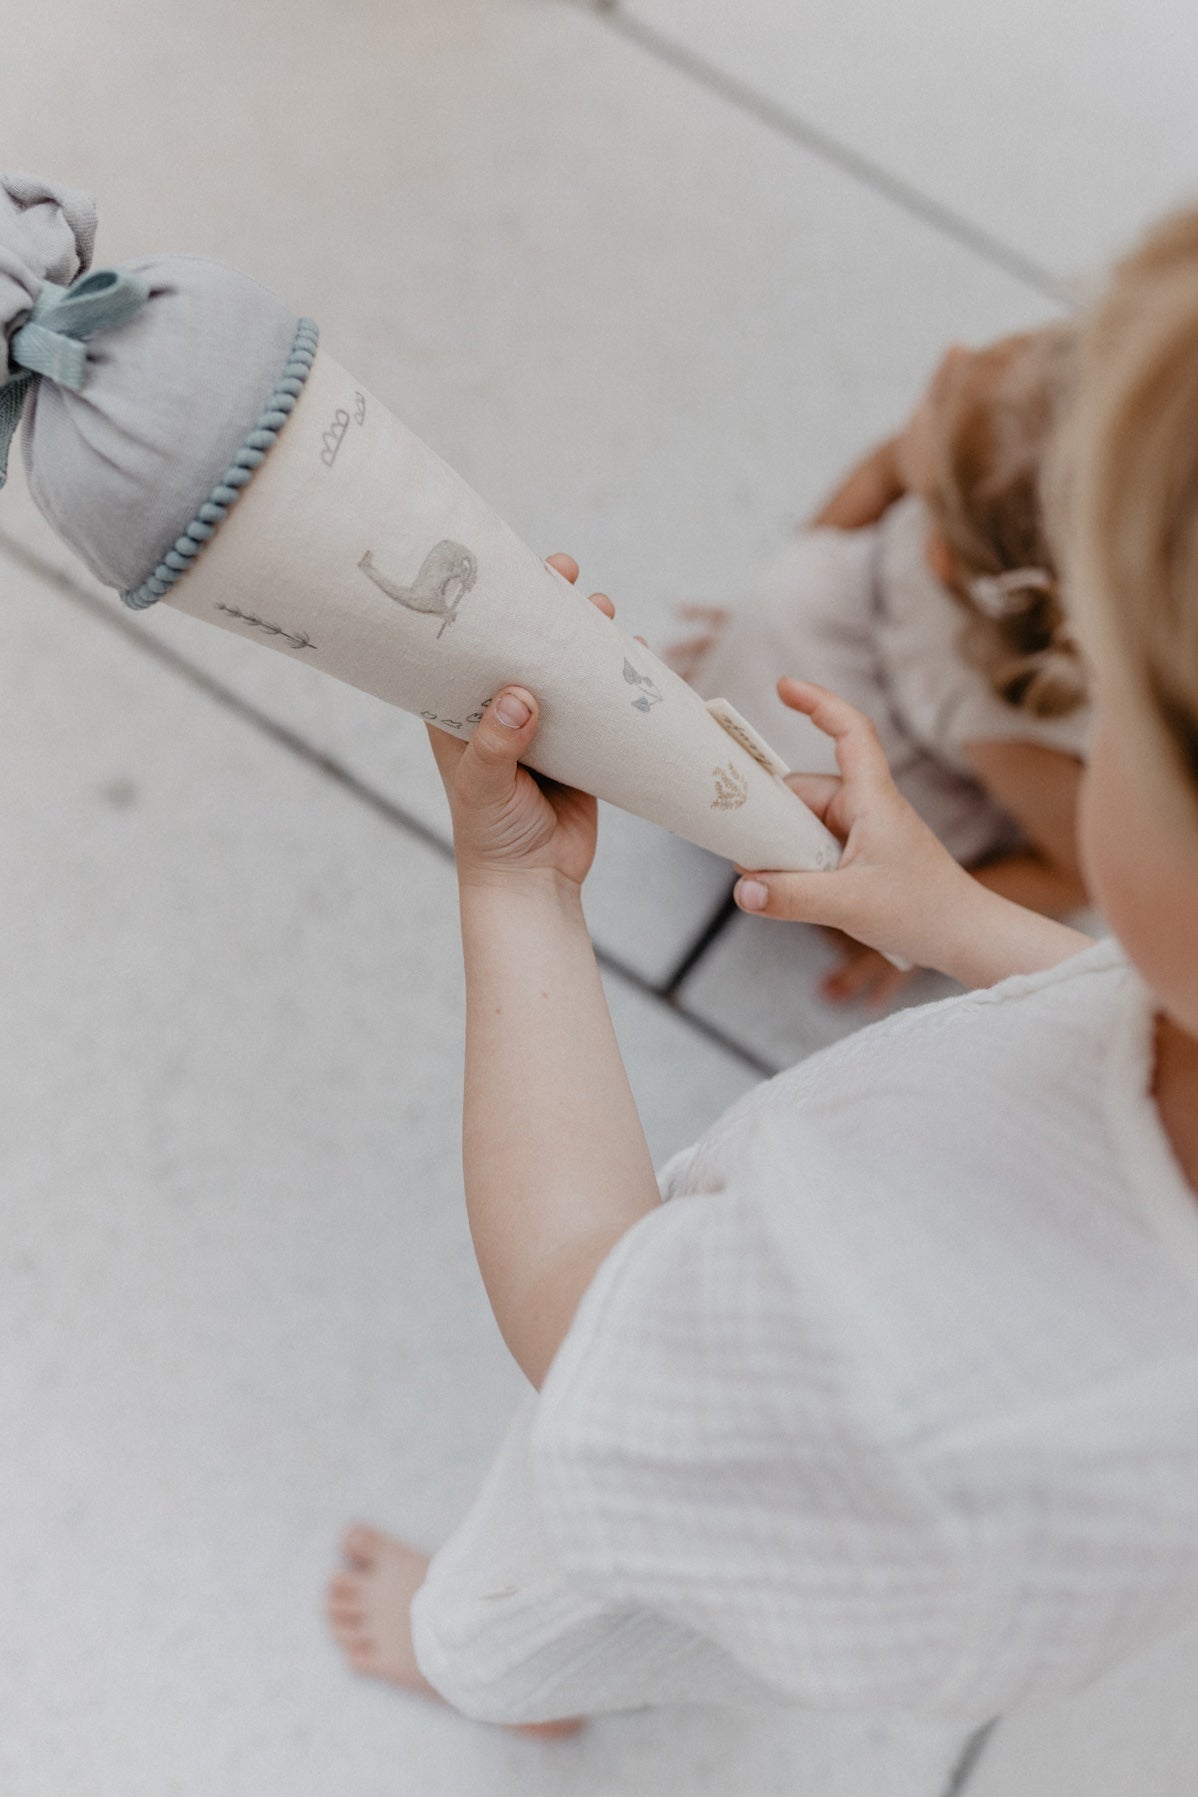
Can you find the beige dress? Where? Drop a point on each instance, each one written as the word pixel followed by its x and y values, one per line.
pixel 860 612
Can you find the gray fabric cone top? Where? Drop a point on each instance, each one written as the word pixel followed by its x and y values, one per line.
pixel 121 466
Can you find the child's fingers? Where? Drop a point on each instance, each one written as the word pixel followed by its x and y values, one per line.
pixel 447 751
pixel 818 792
pixel 837 900
pixel 486 769
pixel 792 898
pixel 859 753
pixel 568 568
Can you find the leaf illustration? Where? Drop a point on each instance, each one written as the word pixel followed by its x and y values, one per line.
pixel 631 675
pixel 642 705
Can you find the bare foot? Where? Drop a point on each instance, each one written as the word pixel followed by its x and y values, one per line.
pixel 862 974
pixel 369 1609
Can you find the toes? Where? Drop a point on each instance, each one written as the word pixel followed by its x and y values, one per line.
pixel 551 1731
pixel 346 1588
pixel 351 1632
pixel 355 1641
pixel 346 1598
pixel 363 1546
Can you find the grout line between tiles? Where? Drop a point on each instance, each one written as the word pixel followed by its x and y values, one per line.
pixel 144 643
pixel 714 928
pixel 971 1753
pixel 863 169
pixel 776 117
pixel 711 1031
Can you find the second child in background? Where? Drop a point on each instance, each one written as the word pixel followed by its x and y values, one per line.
pixel 925 592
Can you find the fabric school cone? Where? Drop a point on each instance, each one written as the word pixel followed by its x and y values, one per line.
pixel 356 550
pixel 187 437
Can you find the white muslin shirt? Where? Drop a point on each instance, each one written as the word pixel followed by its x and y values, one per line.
pixel 893 1404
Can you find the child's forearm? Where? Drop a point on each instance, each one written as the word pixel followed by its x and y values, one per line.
pixel 866 492
pixel 556 1164
pixel 1027 879
pixel 987 938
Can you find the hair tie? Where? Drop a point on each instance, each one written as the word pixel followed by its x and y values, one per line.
pixel 1002 595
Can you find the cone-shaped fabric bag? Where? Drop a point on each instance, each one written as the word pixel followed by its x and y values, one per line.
pixel 185 435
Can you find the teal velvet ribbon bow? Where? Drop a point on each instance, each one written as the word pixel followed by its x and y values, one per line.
pixel 53 340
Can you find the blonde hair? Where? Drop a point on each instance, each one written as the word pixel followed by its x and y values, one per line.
pixel 988 506
pixel 1123 488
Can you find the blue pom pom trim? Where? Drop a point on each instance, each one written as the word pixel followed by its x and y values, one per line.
pixel 237 475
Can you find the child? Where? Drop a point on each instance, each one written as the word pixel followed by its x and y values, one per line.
pixel 895 1401
pixel 926 593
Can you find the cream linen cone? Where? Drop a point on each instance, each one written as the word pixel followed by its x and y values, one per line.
pixel 357 550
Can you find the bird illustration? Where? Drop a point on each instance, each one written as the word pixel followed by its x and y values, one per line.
pixel 446 575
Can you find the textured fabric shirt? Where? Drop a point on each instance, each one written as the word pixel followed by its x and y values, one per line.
pixel 893 1404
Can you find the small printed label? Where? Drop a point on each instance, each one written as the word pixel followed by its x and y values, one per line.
pixel 729 719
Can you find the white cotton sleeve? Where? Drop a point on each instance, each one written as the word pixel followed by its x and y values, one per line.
pixel 729 1487
pixel 700 1506
pixel 505 1634
pixel 713 1445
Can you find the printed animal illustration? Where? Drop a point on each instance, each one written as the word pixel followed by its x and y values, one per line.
pixel 650 692
pixel 446 575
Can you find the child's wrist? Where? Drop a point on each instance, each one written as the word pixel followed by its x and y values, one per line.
pixel 524 884
pixel 963 905
pixel 993 937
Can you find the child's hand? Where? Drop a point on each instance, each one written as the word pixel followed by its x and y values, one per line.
pixel 897 888
pixel 506 820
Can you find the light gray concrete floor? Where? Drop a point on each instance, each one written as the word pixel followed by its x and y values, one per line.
pixel 648 277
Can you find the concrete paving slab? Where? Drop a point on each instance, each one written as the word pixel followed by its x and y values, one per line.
pixel 646 328
pixel 1058 132
pixel 1132 1731
pixel 760 982
pixel 238 1304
